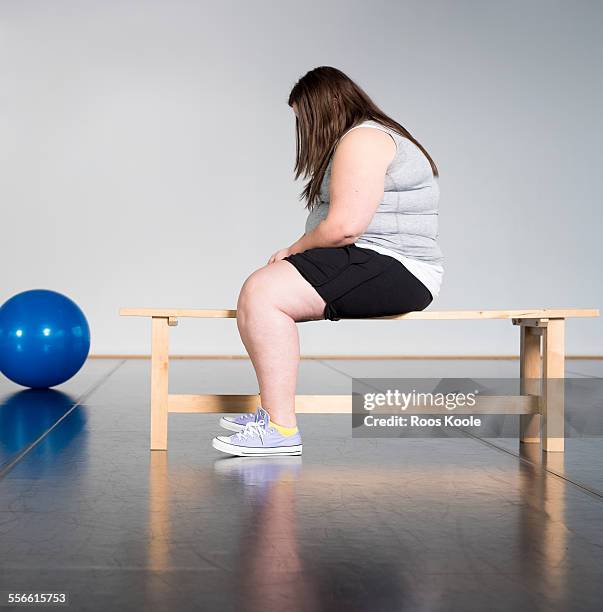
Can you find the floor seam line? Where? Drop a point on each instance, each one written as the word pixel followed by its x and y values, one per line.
pixel 328 365
pixel 591 492
pixel 78 402
pixel 580 374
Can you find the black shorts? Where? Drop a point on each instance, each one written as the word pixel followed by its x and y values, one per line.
pixel 359 283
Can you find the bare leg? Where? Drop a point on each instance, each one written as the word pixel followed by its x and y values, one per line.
pixel 272 299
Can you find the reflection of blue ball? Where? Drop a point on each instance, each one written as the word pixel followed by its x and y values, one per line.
pixel 44 338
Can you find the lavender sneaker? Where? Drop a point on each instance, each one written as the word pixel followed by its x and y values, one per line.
pixel 259 439
pixel 238 422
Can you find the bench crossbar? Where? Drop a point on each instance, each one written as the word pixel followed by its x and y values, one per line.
pixel 342 404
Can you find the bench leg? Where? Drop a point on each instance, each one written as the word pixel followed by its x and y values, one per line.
pixel 553 395
pixel 159 383
pixel 530 374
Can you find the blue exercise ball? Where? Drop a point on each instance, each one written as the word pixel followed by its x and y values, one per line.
pixel 44 338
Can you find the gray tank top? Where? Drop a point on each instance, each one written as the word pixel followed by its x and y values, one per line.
pixel 406 220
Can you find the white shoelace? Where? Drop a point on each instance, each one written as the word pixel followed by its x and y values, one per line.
pixel 252 430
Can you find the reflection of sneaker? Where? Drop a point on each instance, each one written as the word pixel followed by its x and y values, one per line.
pixel 238 422
pixel 259 439
pixel 260 471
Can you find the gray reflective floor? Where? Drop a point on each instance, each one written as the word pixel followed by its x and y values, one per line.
pixel 356 524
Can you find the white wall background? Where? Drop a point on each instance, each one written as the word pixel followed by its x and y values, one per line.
pixel 146 154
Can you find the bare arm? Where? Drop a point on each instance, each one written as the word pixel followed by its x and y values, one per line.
pixel 356 188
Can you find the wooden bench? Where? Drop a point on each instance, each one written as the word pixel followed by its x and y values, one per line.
pixel 542 359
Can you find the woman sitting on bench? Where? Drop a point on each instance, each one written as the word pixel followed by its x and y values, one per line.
pixel 370 247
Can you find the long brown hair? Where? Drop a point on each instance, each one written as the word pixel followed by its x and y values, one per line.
pixel 328 104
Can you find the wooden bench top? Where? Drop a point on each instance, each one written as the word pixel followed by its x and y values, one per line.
pixel 439 315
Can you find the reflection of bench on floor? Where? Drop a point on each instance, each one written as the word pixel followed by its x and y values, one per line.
pixel 542 356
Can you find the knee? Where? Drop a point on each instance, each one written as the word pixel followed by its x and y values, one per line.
pixel 254 295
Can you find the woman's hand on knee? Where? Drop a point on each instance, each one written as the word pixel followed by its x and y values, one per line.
pixel 280 255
